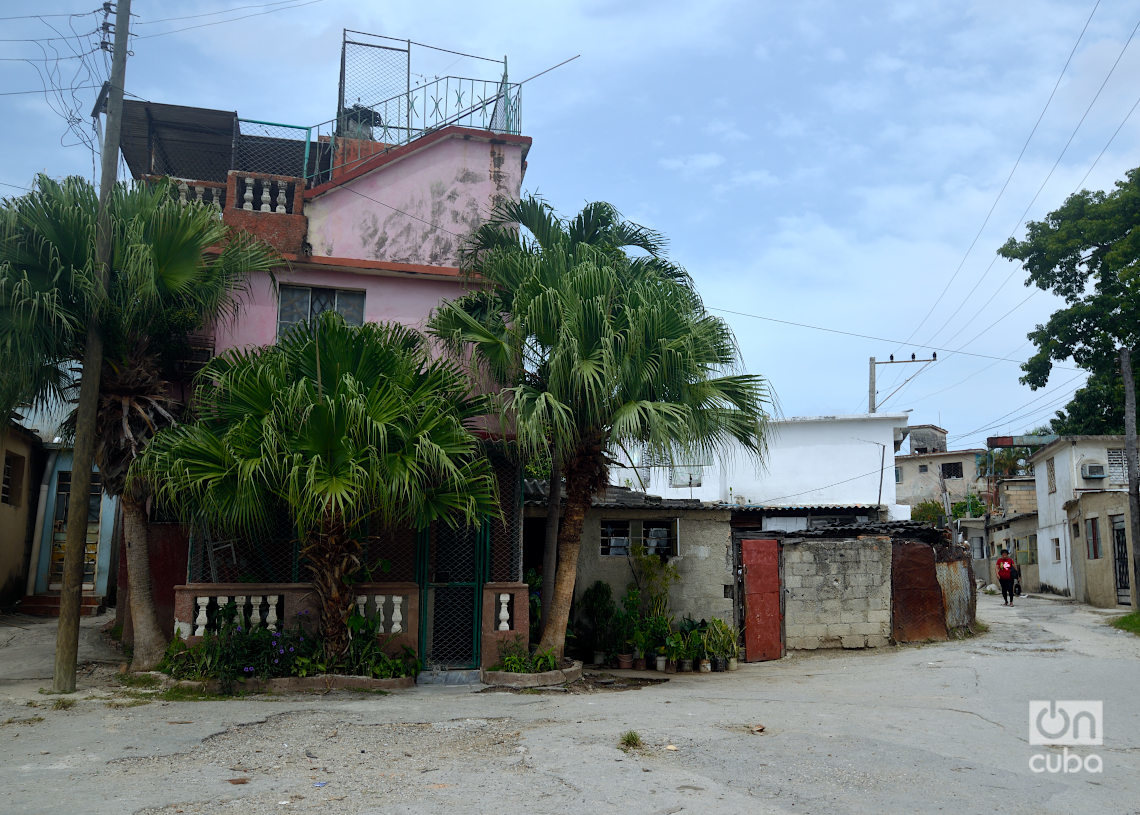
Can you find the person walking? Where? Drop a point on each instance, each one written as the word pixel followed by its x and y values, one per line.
pixel 1005 570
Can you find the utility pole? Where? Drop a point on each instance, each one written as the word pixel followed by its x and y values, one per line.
pixel 1131 463
pixel 67 636
pixel 872 402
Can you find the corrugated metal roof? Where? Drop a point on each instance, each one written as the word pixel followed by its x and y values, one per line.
pixel 536 493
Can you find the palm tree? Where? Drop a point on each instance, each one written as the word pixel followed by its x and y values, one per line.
pixel 597 353
pixel 350 429
pixel 541 245
pixel 176 269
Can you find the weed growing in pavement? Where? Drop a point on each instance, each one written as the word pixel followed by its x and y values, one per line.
pixel 63 704
pixel 29 720
pixel 117 703
pixel 515 657
pixel 1129 622
pixel 139 680
pixel 630 740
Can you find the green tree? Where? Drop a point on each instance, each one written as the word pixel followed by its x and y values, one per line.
pixel 928 512
pixel 1096 409
pixel 354 431
pixel 597 353
pixel 164 285
pixel 970 507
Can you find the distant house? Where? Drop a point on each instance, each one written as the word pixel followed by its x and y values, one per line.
pixel 23 461
pixel 929 470
pixel 1084 547
pixel 1013 526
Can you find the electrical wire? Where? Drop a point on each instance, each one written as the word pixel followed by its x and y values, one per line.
pixel 230 20
pixel 213 13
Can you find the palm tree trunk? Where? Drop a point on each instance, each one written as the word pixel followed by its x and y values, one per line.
pixel 550 546
pixel 149 641
pixel 581 483
pixel 333 558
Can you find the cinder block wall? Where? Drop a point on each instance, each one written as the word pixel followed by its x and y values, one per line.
pixel 837 593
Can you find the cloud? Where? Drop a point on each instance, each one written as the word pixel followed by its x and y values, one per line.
pixel 726 130
pixel 693 163
pixel 759 178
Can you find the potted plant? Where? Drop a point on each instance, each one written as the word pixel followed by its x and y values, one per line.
pixel 674 651
pixel 640 635
pixel 704 664
pixel 693 648
pixel 719 642
pixel 734 650
pixel 660 658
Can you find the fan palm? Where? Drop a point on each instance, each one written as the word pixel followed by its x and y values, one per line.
pixel 175 270
pixel 596 352
pixel 352 429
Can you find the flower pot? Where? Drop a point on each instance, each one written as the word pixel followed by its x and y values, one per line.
pixel 686 666
pixel 718 664
pixel 625 661
pixel 706 666
pixel 639 663
pixel 599 657
pixel 661 661
pixel 733 664
pixel 670 666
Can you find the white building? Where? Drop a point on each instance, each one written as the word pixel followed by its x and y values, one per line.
pixel 817 469
pixel 1063 471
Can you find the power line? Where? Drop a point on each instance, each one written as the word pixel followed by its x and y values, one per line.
pixel 1047 177
pixel 1005 417
pixel 230 20
pixel 46 90
pixel 867 336
pixel 40 16
pixel 1001 192
pixel 213 13
pixel 875 471
pixel 49 59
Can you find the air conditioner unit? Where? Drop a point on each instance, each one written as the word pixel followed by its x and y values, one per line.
pixel 1093 470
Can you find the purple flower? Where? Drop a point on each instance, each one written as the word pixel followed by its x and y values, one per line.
pixel 290 649
pixel 239 628
pixel 281 651
pixel 274 662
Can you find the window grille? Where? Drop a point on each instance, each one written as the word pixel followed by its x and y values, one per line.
pixel 300 303
pixel 1117 470
pixel 952 469
pixel 1051 475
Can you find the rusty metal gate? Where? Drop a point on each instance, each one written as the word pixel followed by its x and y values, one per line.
pixel 917 610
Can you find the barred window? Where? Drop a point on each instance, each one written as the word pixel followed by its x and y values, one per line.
pixel 615 538
pixel 1117 470
pixel 300 303
pixel 1051 476
pixel 952 469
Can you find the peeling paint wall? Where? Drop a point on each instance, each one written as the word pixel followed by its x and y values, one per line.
pixel 451 184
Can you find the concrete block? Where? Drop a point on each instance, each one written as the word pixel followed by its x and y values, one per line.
pixel 816 630
pixel 806 644
pixel 854 641
pixel 875 615
pixel 840 630
pixel 793 581
pixel 853 617
pixel 877 641
pixel 870 629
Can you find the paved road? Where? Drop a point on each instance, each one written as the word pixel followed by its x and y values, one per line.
pixel 937 728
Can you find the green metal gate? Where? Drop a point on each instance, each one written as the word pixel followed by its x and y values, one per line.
pixel 452 566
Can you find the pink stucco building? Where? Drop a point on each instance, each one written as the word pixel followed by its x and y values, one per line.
pixel 371 226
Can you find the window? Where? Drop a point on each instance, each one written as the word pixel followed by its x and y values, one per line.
pixel 898 475
pixel 1076 530
pixel 922 468
pixel 658 536
pixel 952 469
pixel 1056 549
pixel 301 303
pixel 921 451
pixel 13 486
pixel 1051 475
pixel 1032 553
pixel 615 538
pixel 1117 470
pixel 1092 538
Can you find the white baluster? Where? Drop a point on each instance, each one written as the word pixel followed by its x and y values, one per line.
pixel 397 615
pixel 379 598
pixel 504 614
pixel 199 193
pixel 182 190
pixel 239 601
pixel 248 196
pixel 255 612
pixel 217 199
pixel 281 187
pixel 361 601
pixel 200 617
pixel 271 615
pixel 265 207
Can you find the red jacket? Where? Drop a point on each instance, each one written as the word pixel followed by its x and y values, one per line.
pixel 1005 568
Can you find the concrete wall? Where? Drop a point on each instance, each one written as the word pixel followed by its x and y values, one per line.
pixel 1015 536
pixel 16 513
pixel 704 561
pixel 837 593
pixel 450 183
pixel 916 487
pixel 406 300
pixel 1017 495
pixel 804 455
pixel 1094 581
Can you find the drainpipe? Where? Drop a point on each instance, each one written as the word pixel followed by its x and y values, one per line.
pixel 38 533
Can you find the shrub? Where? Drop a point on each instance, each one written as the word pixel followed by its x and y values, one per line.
pixel 515 657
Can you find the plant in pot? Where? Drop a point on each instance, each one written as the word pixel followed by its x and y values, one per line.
pixel 691 651
pixel 657 629
pixel 704 663
pixel 623 637
pixel 674 651
pixel 640 647
pixel 718 640
pixel 734 650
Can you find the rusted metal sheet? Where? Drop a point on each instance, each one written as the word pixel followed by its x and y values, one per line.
pixel 917 611
pixel 954 578
pixel 763 617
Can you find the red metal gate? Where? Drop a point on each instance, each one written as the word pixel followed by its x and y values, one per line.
pixel 763 615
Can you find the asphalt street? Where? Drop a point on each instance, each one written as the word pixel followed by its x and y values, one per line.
pixel 934 728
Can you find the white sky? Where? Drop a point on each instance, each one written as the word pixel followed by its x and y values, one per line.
pixel 826 163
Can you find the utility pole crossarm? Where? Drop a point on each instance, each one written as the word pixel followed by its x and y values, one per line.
pixel 872 403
